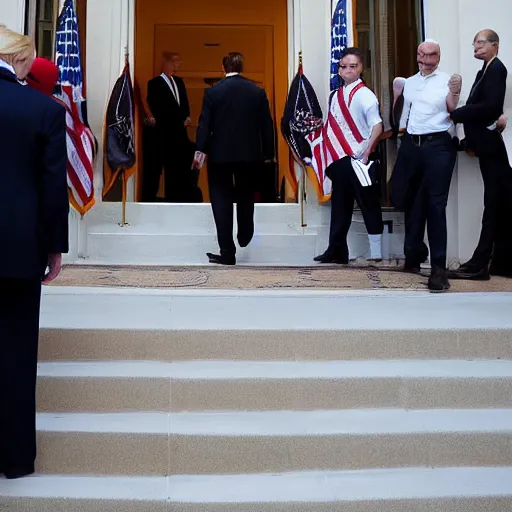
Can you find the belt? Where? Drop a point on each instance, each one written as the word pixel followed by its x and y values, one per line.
pixel 419 140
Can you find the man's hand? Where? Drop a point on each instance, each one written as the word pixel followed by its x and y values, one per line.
pixel 365 158
pixel 501 123
pixel 150 121
pixel 199 159
pixel 187 122
pixel 455 84
pixel 55 266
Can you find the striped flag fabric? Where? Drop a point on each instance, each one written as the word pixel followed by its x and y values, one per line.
pixel 81 143
pixel 342 36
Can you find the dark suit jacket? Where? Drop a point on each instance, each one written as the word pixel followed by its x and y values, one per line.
pixel 169 115
pixel 34 203
pixel 235 123
pixel 484 106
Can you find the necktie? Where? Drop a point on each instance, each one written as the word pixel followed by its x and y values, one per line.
pixel 174 89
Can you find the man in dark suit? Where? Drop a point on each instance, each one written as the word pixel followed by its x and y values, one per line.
pixel 168 101
pixel 236 131
pixel 482 137
pixel 33 234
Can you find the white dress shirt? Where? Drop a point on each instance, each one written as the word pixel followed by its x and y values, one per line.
pixel 169 80
pixel 364 108
pixel 425 110
pixel 4 65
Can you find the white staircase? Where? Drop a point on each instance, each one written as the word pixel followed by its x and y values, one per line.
pixel 181 234
pixel 209 401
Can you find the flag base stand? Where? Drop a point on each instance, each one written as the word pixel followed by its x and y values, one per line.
pixel 123 222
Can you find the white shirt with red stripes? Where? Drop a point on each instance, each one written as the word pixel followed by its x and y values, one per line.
pixel 363 107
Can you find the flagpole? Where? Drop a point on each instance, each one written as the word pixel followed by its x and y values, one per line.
pixel 123 222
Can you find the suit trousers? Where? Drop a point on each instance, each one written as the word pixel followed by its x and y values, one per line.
pixel 430 170
pixel 152 164
pixel 229 183
pixel 496 233
pixel 19 333
pixel 345 189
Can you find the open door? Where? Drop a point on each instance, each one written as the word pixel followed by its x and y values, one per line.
pixel 202 48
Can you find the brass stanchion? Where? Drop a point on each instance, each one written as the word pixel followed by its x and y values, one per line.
pixel 123 222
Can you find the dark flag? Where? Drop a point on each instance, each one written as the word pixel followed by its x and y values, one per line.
pixel 120 131
pixel 302 116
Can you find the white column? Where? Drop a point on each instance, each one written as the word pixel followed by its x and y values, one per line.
pixel 110 26
pixel 454 25
pixel 13 14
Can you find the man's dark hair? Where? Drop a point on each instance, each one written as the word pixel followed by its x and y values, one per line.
pixel 233 62
pixel 353 51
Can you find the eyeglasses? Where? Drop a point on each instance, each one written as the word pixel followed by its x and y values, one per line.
pixel 351 66
pixel 480 42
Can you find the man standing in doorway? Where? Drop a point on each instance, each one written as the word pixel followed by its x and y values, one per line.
pixel 236 131
pixel 483 137
pixel 425 162
pixel 168 101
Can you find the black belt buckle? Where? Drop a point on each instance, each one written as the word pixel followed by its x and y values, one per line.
pixel 418 140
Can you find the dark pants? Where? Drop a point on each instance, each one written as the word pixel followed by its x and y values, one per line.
pixel 496 234
pixel 232 183
pixel 152 164
pixel 180 178
pixel 430 170
pixel 174 154
pixel 19 333
pixel 345 189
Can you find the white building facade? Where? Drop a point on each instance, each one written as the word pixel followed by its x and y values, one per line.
pixel 178 234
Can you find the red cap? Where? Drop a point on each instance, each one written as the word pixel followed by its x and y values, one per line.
pixel 43 76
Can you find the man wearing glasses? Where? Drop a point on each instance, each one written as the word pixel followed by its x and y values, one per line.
pixel 483 138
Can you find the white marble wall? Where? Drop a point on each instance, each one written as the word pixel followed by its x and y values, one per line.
pixel 454 23
pixel 12 14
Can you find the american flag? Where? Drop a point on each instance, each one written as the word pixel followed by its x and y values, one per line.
pixel 81 144
pixel 342 36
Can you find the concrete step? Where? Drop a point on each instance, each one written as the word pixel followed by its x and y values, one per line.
pixel 272 385
pixel 465 489
pixel 153 248
pixel 186 218
pixel 106 323
pixel 277 441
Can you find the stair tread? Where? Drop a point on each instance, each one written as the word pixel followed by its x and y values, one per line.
pixel 284 423
pixel 382 484
pixel 305 310
pixel 246 370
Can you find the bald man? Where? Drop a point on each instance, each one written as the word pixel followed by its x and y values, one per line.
pixel 483 137
pixel 425 162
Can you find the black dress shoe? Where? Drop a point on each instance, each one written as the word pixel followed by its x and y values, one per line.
pixel 438 280
pixel 244 242
pixel 471 273
pixel 412 267
pixel 331 257
pixel 220 259
pixel 12 473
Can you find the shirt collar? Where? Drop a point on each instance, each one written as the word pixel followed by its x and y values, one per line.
pixel 352 85
pixel 4 65
pixel 231 74
pixel 434 73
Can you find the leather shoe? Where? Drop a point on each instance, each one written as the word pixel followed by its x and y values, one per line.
pixel 220 259
pixel 331 257
pixel 14 472
pixel 244 242
pixel 471 274
pixel 438 280
pixel 412 267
